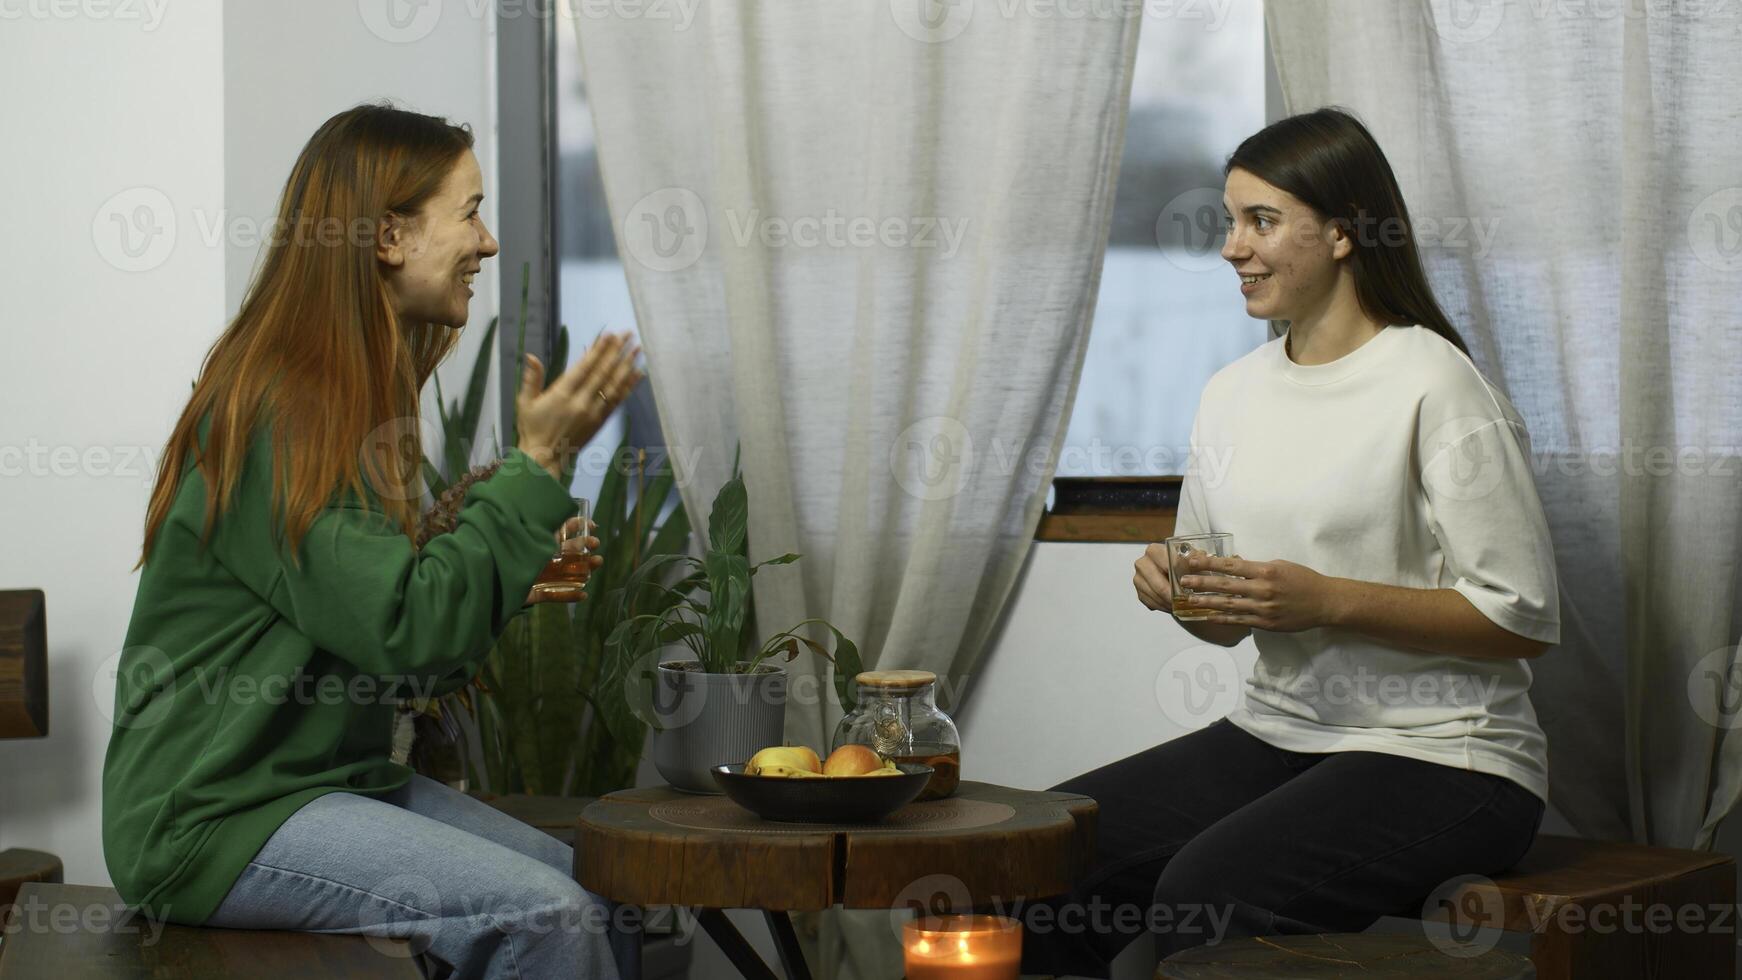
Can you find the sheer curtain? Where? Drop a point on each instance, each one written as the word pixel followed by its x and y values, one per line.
pixel 1572 171
pixel 863 241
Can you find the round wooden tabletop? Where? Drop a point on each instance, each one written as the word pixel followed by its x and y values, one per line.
pixel 985 844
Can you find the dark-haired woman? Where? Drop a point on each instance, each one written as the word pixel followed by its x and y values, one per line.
pixel 1400 574
pixel 284 609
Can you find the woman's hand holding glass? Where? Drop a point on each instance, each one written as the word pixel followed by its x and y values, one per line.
pixel 1280 596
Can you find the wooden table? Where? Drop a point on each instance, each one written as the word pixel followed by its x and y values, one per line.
pixel 1371 956
pixel 988 843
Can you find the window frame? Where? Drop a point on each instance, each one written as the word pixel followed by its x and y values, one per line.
pixel 1129 509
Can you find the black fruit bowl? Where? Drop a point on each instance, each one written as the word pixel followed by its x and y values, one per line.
pixel 824 799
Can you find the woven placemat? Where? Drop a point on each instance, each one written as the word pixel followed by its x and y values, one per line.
pixel 933 816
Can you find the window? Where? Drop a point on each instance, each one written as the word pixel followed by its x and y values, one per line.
pixel 1169 313
pixel 593 291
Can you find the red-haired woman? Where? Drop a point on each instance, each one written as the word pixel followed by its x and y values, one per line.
pixel 283 609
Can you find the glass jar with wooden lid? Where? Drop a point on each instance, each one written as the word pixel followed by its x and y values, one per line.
pixel 898 717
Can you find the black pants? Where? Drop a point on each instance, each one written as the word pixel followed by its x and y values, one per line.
pixel 1217 835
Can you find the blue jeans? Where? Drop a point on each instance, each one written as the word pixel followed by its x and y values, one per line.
pixel 476 892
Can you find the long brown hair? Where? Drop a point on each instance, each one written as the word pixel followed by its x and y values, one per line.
pixel 1329 161
pixel 316 351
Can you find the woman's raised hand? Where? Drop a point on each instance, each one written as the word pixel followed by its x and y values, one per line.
pixel 555 422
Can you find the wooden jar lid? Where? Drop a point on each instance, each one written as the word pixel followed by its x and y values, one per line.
pixel 896 680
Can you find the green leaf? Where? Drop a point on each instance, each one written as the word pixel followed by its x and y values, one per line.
pixel 785 559
pixel 468 420
pixel 728 594
pixel 433 477
pixel 728 521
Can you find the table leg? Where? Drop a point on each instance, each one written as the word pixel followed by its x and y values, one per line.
pixel 791 954
pixel 734 945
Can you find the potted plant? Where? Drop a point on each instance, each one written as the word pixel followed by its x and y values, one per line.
pixel 540 717
pixel 726 701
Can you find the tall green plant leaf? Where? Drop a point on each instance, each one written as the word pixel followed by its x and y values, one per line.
pixel 728 520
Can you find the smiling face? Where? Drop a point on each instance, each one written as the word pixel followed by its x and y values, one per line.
pixel 1275 236
pixel 428 259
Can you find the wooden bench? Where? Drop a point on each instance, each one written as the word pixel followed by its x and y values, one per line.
pixel 1599 910
pixel 83 932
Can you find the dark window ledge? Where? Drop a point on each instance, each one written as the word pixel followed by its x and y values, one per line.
pixel 1123 509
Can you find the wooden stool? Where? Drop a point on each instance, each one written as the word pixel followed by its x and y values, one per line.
pixel 1372 956
pixel 1588 907
pixel 81 932
pixel 18 866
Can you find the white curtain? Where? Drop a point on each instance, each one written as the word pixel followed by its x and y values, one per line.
pixel 864 240
pixel 1573 171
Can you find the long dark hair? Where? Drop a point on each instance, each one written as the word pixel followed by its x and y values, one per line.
pixel 1328 160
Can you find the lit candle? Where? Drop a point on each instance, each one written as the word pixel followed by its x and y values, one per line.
pixel 963 947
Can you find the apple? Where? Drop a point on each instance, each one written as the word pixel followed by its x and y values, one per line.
pixel 852 760
pixel 770 761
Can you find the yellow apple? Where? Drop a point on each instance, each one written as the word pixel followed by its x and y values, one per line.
pixel 852 760
pixel 798 758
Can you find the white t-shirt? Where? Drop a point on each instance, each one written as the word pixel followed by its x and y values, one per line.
pixel 1397 463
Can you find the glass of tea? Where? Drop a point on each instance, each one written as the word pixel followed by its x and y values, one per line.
pixel 565 576
pixel 1216 544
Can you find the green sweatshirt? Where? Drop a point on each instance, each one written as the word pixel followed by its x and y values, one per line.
pixel 249 686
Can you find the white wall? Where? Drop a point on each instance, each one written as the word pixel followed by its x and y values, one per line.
pixel 95 357
pixel 192 111
pixel 289 67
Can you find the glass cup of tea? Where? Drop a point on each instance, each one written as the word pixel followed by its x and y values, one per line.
pixel 564 577
pixel 1216 544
